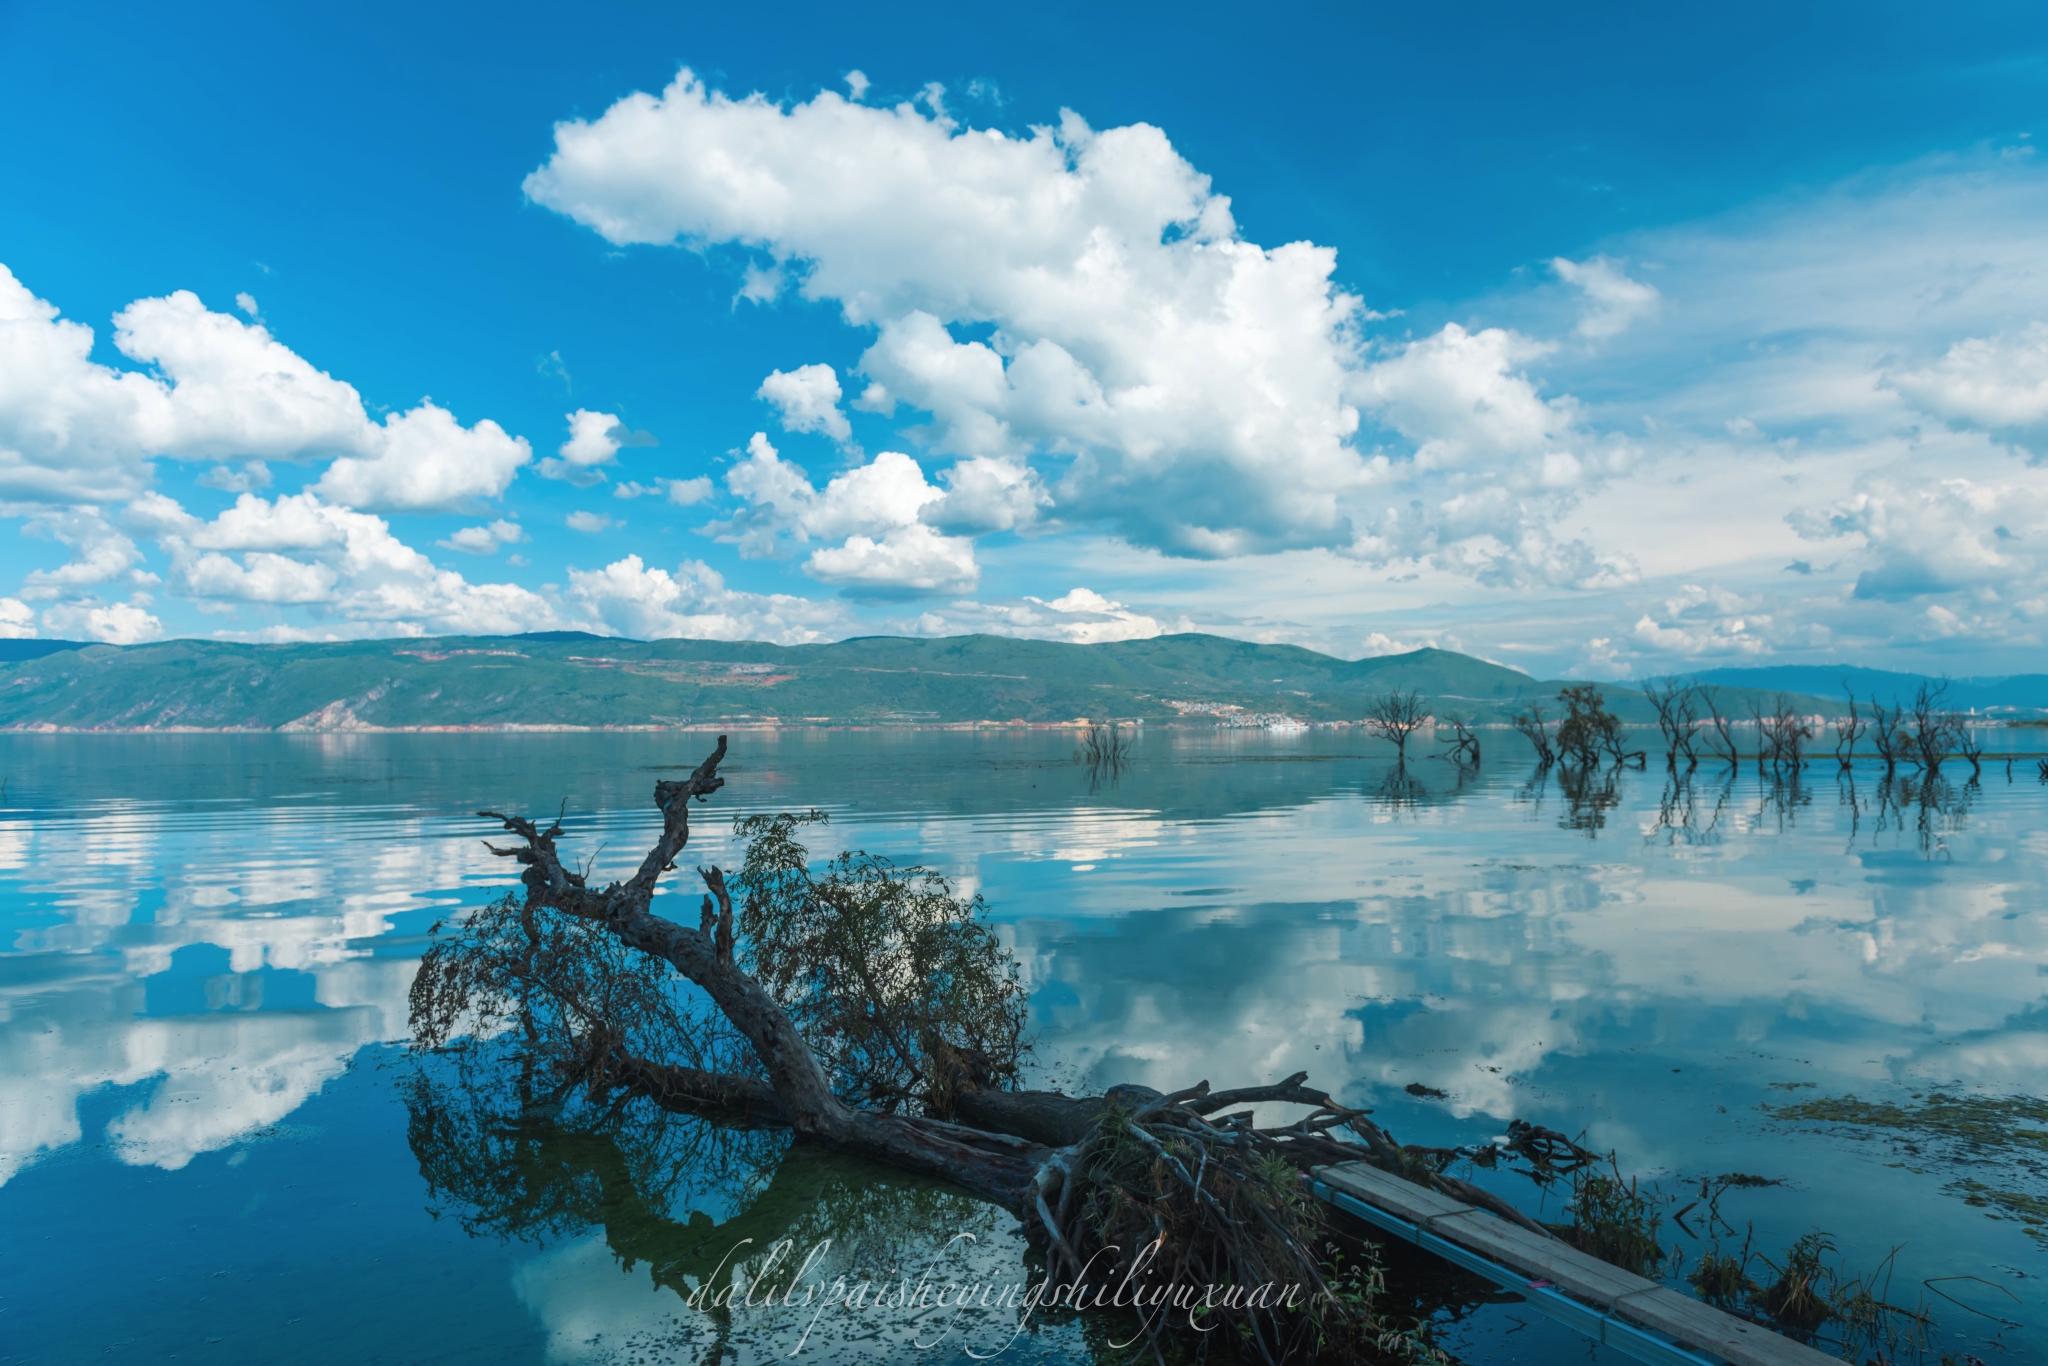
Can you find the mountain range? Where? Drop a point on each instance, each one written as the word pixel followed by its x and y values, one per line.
pixel 570 679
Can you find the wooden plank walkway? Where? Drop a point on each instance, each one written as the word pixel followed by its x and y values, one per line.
pixel 1608 1304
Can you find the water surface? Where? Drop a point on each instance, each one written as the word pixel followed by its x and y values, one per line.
pixel 207 941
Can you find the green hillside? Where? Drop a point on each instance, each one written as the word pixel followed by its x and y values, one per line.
pixel 570 679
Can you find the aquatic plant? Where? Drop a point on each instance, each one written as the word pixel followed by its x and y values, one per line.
pixel 1616 1220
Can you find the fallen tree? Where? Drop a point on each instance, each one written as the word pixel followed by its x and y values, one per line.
pixel 868 1009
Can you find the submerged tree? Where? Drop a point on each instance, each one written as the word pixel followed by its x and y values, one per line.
pixel 1589 730
pixel 1529 721
pixel 1782 734
pixel 1848 730
pixel 1935 727
pixel 1677 705
pixel 1395 716
pixel 1723 740
pixel 863 1006
pixel 1464 745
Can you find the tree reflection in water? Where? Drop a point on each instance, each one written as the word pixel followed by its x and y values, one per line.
pixel 1690 812
pixel 642 1178
pixel 1590 792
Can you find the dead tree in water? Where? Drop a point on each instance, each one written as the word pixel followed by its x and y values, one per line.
pixel 1465 747
pixel 869 1010
pixel 1723 743
pixel 1782 734
pixel 1536 731
pixel 1395 716
pixel 1847 732
pixel 1677 717
pixel 1935 727
pixel 1887 734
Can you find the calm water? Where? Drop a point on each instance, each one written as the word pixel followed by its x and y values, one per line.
pixel 206 944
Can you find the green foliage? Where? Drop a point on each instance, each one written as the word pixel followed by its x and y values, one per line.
pixel 900 987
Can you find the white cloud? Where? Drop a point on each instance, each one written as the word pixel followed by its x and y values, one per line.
pixel 628 598
pixel 588 521
pixel 347 565
pixel 484 540
pixel 1080 616
pixel 120 623
pixel 247 303
pixel 17 620
pixel 1191 382
pixel 987 494
pixel 1495 464
pixel 594 439
pixel 1996 384
pixel 682 492
pixel 98 553
pixel 875 507
pixel 808 400
pixel 912 559
pixel 1379 644
pixel 1612 300
pixel 74 431
pixel 424 459
pixel 1933 537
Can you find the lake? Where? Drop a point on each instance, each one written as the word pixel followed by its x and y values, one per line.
pixel 206 1150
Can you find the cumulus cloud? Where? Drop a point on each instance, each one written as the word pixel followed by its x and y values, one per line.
pixel 682 492
pixel 17 620
pixel 424 459
pixel 1612 301
pixel 1995 384
pixel 1494 463
pixel 345 564
pixel 98 553
pixel 594 439
pixel 1979 541
pixel 912 559
pixel 1191 382
pixel 808 400
pixel 73 431
pixel 874 507
pixel 588 521
pixel 1081 616
pixel 987 494
pixel 119 623
pixel 484 540
pixel 628 598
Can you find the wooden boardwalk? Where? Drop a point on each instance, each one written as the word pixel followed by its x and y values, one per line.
pixel 1648 1321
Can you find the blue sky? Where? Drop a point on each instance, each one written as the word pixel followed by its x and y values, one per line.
pixel 1600 340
